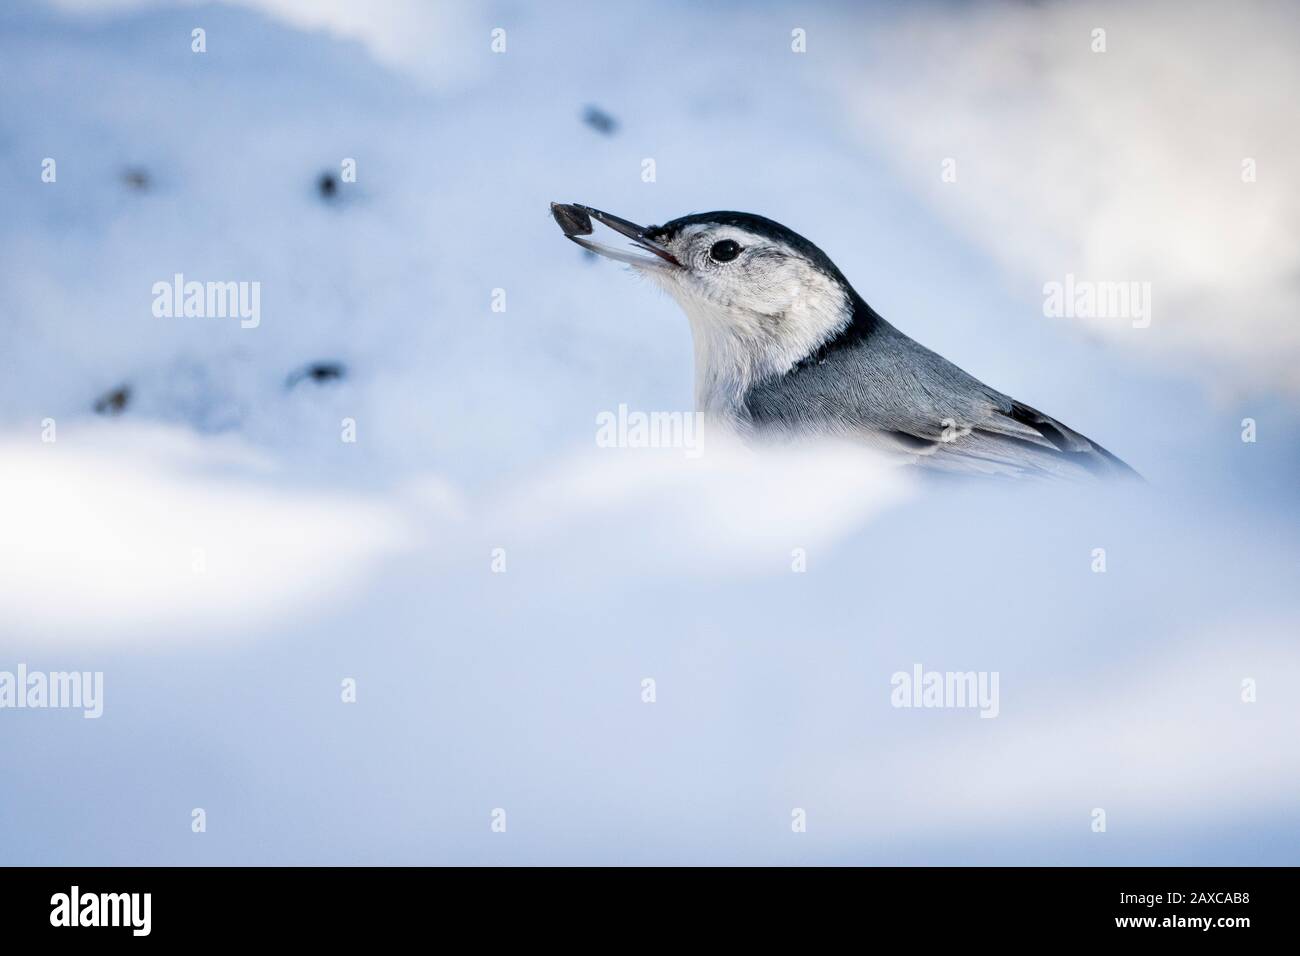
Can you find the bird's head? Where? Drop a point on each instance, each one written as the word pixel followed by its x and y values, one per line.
pixel 759 296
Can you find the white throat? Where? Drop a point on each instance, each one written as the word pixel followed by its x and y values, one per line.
pixel 736 349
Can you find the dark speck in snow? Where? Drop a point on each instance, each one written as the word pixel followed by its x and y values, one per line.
pixel 600 121
pixel 136 177
pixel 318 372
pixel 114 401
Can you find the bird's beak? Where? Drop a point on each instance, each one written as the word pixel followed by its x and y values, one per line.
pixel 575 220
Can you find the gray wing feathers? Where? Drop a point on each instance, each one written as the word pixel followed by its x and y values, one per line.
pixel 899 395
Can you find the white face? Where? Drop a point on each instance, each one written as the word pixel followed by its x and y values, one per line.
pixel 738 271
pixel 756 305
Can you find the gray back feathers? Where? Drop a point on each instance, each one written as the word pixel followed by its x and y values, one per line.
pixel 893 392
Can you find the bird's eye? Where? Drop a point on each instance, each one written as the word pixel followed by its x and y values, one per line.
pixel 724 251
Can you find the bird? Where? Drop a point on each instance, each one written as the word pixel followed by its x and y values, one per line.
pixel 785 346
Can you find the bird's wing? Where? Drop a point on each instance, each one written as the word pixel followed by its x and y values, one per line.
pixel 896 394
pixel 1010 438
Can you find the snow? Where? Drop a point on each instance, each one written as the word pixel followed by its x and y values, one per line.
pixel 1123 164
pixel 227 559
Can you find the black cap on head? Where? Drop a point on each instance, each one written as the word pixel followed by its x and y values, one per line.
pixel 759 225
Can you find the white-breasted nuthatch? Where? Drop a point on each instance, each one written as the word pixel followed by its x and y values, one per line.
pixel 783 343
